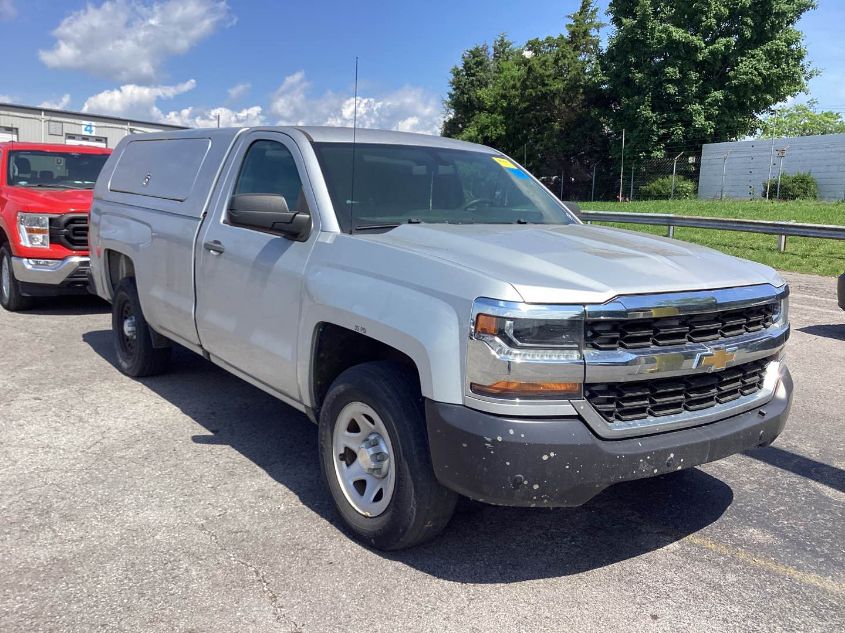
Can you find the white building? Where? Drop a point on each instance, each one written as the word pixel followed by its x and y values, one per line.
pixel 44 125
pixel 746 165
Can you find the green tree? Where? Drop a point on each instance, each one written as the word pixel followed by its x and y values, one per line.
pixel 537 101
pixel 469 80
pixel 800 119
pixel 683 72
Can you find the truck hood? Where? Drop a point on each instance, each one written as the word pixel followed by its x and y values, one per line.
pixel 577 263
pixel 49 200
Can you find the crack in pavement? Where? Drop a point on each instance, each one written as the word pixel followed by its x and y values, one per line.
pixel 271 596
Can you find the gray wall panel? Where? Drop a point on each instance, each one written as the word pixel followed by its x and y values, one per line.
pixel 748 163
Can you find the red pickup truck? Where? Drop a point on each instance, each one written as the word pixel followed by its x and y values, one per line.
pixel 45 197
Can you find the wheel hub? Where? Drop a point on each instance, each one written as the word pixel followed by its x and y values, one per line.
pixel 363 459
pixel 129 327
pixel 374 456
pixel 6 276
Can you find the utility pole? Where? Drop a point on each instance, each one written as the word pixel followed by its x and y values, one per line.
pixel 724 169
pixel 622 167
pixel 781 155
pixel 218 119
pixel 772 154
pixel 674 172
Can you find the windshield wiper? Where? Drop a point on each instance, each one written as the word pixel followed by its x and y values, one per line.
pixel 45 185
pixel 375 227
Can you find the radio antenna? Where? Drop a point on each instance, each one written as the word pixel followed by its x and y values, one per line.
pixel 355 110
pixel 354 130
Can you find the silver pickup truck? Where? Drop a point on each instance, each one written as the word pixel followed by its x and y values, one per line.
pixel 451 327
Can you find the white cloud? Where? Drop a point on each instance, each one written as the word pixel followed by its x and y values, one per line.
pixel 7 10
pixel 133 101
pixel 59 104
pixel 142 102
pixel 239 91
pixel 203 117
pixel 128 40
pixel 409 109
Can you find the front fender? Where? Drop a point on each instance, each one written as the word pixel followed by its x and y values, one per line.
pixel 428 329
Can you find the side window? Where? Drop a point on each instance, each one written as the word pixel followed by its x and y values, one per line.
pixel 268 167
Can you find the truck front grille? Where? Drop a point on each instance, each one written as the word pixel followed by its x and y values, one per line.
pixel 617 334
pixel 70 230
pixel 627 401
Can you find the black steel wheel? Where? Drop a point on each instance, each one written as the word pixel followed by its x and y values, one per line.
pixel 133 343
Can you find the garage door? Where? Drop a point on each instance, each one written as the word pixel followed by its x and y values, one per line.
pixel 8 134
pixel 81 139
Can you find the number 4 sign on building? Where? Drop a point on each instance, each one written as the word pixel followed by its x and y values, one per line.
pixel 88 127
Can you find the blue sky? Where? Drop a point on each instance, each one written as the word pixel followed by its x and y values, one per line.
pixel 264 61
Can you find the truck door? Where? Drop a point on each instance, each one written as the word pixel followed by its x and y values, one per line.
pixel 249 281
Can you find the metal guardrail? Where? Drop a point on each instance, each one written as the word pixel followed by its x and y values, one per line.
pixel 781 229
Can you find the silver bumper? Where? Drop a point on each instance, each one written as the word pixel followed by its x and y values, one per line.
pixel 54 273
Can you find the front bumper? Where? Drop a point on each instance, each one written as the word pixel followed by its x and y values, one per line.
pixel 59 276
pixel 560 462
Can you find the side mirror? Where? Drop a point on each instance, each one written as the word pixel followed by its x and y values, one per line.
pixel 269 212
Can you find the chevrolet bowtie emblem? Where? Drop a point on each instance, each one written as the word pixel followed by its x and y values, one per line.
pixel 717 359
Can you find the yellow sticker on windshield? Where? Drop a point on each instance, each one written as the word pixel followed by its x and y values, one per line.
pixel 504 162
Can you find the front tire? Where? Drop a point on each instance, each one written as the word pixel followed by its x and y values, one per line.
pixel 10 293
pixel 375 458
pixel 133 343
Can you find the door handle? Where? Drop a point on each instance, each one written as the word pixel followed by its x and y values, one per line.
pixel 214 247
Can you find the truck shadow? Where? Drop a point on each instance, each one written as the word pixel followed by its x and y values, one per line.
pixel 70 305
pixel 491 545
pixel 806 467
pixel 836 332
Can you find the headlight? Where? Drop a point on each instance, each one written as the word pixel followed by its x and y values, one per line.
pixel 549 334
pixel 781 314
pixel 525 351
pixel 34 230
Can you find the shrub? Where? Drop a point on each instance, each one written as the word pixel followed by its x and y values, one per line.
pixel 661 189
pixel 798 186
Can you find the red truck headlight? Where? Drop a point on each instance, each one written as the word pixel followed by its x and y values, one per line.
pixel 34 230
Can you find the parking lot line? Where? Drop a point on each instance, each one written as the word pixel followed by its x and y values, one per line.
pixel 766 564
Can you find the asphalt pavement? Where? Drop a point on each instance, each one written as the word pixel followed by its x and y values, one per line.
pixel 193 502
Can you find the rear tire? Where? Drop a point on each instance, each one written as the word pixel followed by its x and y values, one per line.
pixel 10 293
pixel 410 506
pixel 133 343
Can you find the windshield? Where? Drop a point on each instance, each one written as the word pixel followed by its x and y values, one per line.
pixel 397 184
pixel 56 170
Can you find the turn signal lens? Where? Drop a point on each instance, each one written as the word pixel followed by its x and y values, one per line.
pixel 487 324
pixel 511 389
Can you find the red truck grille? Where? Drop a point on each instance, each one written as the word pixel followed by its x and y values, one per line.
pixel 70 230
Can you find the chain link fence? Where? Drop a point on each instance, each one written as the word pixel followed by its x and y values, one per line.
pixel 675 175
pixel 811 167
